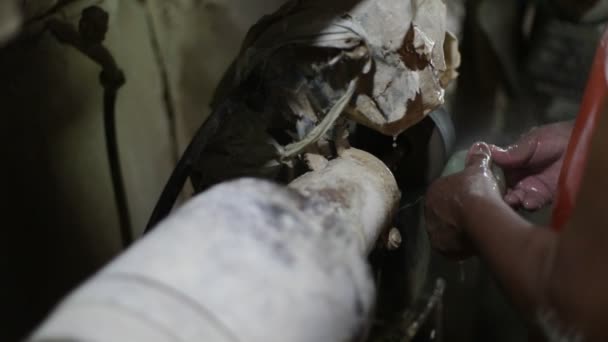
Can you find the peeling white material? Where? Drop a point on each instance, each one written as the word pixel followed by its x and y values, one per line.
pixel 400 80
pixel 246 261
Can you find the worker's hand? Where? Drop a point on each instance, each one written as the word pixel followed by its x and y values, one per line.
pixel 449 200
pixel 532 165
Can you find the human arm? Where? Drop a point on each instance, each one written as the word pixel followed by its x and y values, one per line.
pixel 578 280
pixel 546 274
pixel 466 214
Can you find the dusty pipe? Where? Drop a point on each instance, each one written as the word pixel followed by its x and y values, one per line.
pixel 246 261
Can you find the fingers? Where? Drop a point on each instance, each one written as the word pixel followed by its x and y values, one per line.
pixel 537 193
pixel 516 155
pixel 479 155
pixel 533 202
pixel 515 197
pixel 531 194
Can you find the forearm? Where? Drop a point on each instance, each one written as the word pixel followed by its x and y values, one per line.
pixel 518 252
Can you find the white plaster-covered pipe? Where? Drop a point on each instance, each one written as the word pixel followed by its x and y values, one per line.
pixel 245 261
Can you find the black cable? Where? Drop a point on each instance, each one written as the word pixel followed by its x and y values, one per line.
pixel 88 39
pixel 183 169
pixel 120 195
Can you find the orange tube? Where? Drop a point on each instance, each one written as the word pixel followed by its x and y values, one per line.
pixel 575 161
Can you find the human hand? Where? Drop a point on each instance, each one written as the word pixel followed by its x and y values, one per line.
pixel 532 165
pixel 449 199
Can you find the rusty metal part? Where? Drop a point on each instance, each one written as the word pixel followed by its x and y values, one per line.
pixel 433 303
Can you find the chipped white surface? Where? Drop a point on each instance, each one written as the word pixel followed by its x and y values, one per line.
pixel 246 261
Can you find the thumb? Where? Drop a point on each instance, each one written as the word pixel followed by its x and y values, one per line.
pixel 516 155
pixel 479 155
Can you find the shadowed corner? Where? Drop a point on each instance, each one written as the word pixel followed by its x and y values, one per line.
pixel 10 20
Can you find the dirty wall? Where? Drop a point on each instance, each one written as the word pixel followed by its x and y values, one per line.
pixel 60 221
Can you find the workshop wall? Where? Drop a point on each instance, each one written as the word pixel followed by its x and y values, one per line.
pixel 60 216
pixel 199 40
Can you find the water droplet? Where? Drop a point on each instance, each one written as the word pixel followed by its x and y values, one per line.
pixel 395 141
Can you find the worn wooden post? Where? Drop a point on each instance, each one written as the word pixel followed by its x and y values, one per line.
pixel 246 261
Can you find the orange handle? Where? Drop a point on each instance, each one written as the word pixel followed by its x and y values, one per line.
pixel 594 101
